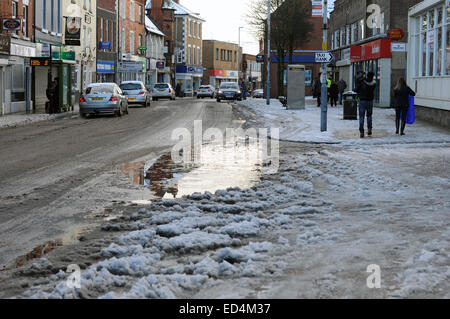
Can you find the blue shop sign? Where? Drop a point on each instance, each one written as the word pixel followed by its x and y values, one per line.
pixel 106 66
pixel 184 69
pixel 105 45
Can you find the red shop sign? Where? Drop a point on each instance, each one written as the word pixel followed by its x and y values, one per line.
pixel 370 51
pixel 215 72
pixel 396 34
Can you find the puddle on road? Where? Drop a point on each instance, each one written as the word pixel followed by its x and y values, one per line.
pixel 44 249
pixel 219 168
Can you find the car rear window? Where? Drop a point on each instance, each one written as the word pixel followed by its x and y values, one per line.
pixel 130 86
pixel 161 86
pixel 100 89
pixel 229 86
pixel 204 87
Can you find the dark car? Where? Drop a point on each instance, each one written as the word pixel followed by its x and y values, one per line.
pixel 229 91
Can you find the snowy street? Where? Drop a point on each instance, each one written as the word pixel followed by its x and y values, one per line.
pixel 309 231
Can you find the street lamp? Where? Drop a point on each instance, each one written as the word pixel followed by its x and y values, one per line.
pixel 239 54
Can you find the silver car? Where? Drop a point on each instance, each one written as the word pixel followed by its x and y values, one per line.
pixel 103 98
pixel 136 93
pixel 205 91
pixel 163 91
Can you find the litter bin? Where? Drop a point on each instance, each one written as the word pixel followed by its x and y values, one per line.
pixel 350 105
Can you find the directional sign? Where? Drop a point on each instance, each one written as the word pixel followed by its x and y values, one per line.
pixel 324 57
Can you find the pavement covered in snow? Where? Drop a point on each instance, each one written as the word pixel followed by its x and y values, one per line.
pixel 304 125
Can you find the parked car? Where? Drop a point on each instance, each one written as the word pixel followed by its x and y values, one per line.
pixel 205 91
pixel 229 91
pixel 163 91
pixel 258 94
pixel 136 92
pixel 103 98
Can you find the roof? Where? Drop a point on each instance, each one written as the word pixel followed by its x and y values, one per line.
pixel 180 10
pixel 151 27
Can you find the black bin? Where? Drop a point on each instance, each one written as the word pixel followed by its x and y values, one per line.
pixel 350 105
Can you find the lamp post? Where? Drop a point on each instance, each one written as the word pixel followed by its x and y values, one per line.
pixel 239 54
pixel 324 91
pixel 268 55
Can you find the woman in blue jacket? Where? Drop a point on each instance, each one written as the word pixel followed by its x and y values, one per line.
pixel 401 94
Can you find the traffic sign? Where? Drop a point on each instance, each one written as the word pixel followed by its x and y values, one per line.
pixel 323 57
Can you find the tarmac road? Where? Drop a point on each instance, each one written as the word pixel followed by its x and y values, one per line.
pixel 51 172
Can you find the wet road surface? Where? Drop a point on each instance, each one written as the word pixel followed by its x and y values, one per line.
pixel 57 177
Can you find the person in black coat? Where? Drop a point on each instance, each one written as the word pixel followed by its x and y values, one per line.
pixel 334 93
pixel 317 90
pixel 401 95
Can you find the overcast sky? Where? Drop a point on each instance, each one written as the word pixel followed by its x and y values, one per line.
pixel 223 19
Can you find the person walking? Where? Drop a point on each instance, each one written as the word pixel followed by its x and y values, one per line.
pixel 317 90
pixel 401 94
pixel 334 92
pixel 342 85
pixel 365 87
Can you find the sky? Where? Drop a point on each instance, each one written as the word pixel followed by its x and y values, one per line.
pixel 223 19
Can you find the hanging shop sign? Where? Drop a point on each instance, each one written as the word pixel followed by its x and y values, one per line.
pixel 73 31
pixel 105 45
pixel 395 34
pixel 5 44
pixel 260 58
pixel 12 24
pixel 160 65
pixel 317 9
pixel 398 47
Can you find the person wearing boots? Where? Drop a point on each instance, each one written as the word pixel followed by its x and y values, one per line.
pixel 365 87
pixel 401 93
pixel 317 89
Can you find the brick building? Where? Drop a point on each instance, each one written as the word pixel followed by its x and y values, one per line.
pixel 303 55
pixel 220 62
pixel 106 40
pixel 358 40
pixel 16 49
pixel 162 12
pixel 132 60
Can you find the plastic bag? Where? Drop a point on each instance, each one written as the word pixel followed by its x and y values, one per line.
pixel 411 116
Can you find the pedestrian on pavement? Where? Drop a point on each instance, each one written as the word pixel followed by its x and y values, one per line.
pixel 365 87
pixel 317 90
pixel 52 93
pixel 334 92
pixel 342 85
pixel 244 90
pixel 178 90
pixel 329 81
pixel 401 93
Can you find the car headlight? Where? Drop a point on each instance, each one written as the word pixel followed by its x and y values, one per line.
pixel 220 92
pixel 238 92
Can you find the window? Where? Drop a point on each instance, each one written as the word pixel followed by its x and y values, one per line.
pixel 217 54
pixel 131 10
pixel 140 40
pixel 14 13
pixel 347 35
pixel 189 55
pixel 101 29
pixel 431 42
pixel 44 14
pixel 131 42
pixel 25 21
pixel 140 15
pixel 122 9
pixel 122 40
pixel 189 27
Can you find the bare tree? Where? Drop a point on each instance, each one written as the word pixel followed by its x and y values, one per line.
pixel 290 26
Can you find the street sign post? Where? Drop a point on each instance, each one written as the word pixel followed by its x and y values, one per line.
pixel 324 57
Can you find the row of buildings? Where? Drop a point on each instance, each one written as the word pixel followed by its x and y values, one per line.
pixel 402 38
pixel 79 42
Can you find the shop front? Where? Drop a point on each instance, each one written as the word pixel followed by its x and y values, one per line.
pixel 217 76
pixel 16 77
pixel 189 78
pixel 105 71
pixel 376 57
pixel 132 69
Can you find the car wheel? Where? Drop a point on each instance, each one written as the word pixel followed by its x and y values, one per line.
pixel 218 100
pixel 119 112
pixel 83 115
pixel 126 110
pixel 198 97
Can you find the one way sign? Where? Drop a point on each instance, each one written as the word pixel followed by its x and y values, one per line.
pixel 324 57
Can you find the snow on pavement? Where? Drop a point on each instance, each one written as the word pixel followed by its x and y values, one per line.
pixel 305 125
